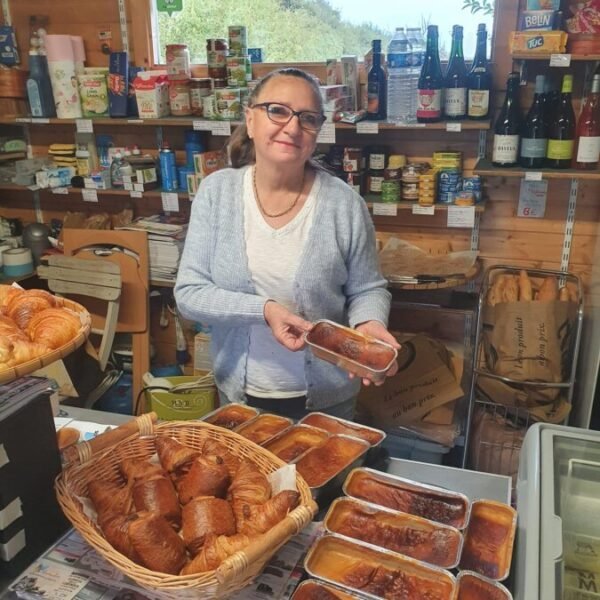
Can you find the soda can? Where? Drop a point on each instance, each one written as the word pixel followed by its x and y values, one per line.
pixel 168 170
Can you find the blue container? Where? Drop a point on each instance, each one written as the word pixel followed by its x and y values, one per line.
pixel 118 84
pixel 168 170
pixel 193 145
pixel 183 172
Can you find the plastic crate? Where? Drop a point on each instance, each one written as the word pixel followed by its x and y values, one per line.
pixel 414 448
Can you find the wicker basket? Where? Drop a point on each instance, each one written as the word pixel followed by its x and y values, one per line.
pixel 41 361
pixel 100 460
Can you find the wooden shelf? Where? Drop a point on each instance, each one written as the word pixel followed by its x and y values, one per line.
pixel 12 155
pixel 485 167
pixel 408 205
pixel 386 126
pixel 547 55
pixel 78 191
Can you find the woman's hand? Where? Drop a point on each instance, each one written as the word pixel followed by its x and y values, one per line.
pixel 287 327
pixel 378 331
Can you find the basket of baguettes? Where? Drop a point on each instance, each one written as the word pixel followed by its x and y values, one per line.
pixel 184 508
pixel 36 329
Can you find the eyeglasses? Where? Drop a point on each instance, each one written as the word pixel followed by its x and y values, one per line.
pixel 281 114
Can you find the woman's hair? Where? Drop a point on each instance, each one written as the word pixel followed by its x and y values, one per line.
pixel 240 147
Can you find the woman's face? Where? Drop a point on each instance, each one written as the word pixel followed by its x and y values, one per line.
pixel 288 143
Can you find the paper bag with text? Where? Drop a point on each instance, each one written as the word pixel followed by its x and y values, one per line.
pixel 424 381
pixel 530 341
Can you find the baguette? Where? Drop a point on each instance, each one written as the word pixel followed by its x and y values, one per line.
pixel 525 289
pixel 548 290
pixel 510 293
pixel 563 294
pixel 495 292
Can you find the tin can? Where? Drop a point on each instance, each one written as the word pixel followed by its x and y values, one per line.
pixel 390 191
pixel 178 62
pixel 219 83
pixel 238 40
pixel 228 103
pixel 168 169
pixel 374 181
pixel 209 109
pixel 179 98
pixel 236 71
pixel 216 56
pixel 199 88
pixel 248 69
pixel 410 183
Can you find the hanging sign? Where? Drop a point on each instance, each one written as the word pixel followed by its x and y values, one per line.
pixel 169 6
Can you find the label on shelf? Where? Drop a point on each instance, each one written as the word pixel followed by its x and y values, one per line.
pixel 367 127
pixel 454 127
pixel 419 209
pixel 532 199
pixel 461 216
pixel 135 194
pixel 202 125
pixel 560 60
pixel 221 128
pixel 22 120
pixel 533 176
pixel 385 209
pixel 327 134
pixel 170 201
pixel 138 187
pixel 40 121
pixel 33 188
pixel 89 195
pixel 135 121
pixel 60 190
pixel 84 126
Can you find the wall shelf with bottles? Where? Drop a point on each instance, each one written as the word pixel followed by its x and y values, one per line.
pixel 485 167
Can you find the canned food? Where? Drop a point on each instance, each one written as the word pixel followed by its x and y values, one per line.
pixel 238 40
pixel 216 55
pixel 410 183
pixel 390 191
pixel 199 88
pixel 377 157
pixel 208 107
pixel 248 68
pixel 464 199
pixel 228 103
pixel 353 160
pixel 220 83
pixel 178 62
pixel 179 98
pixel 392 174
pixel 236 71
pixel 374 181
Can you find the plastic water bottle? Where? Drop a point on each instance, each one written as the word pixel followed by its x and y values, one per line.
pixel 399 98
pixel 116 177
pixel 417 42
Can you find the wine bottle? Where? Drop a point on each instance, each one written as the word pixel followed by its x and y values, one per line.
pixel 429 94
pixel 508 126
pixel 561 134
pixel 455 95
pixel 534 137
pixel 376 86
pixel 479 80
pixel 587 154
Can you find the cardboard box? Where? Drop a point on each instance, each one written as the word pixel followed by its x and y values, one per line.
pixel 424 382
pixel 152 94
pixel 206 163
pixel 538 41
pixel 532 20
pixel 543 4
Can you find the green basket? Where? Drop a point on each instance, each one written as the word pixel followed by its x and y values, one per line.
pixel 182 406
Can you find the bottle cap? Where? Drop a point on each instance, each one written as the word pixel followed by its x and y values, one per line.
pixel 396 161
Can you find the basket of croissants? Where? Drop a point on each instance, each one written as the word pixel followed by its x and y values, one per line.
pixel 37 328
pixel 185 508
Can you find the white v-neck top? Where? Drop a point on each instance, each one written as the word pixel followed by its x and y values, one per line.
pixel 273 258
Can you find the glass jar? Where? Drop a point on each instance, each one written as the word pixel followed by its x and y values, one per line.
pixel 179 98
pixel 377 158
pixel 178 62
pixel 374 181
pixel 216 55
pixel 199 88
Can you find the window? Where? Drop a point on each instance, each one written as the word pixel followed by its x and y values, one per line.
pixel 315 30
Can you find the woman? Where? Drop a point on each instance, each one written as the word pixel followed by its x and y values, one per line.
pixel 275 243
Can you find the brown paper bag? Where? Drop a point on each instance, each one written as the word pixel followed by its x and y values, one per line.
pixel 530 341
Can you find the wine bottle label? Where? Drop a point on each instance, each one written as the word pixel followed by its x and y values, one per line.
pixel 534 148
pixel 589 149
pixel 373 98
pixel 377 161
pixel 560 149
pixel 429 104
pixel 455 101
pixel 479 103
pixel 506 149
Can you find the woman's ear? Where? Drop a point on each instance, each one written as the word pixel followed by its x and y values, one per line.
pixel 248 113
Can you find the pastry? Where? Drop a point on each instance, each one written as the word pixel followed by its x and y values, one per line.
pixel 54 327
pixel 230 460
pixel 208 476
pixel 263 428
pixel 254 519
pixel 333 425
pixel 157 495
pixel 232 416
pixel 548 290
pixel 215 550
pixel 525 289
pixel 203 517
pixel 249 485
pixel 173 455
pixel 110 499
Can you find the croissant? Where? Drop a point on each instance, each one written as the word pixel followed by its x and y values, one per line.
pixel 249 485
pixel 116 531
pixel 6 348
pixel 205 516
pixel 23 307
pixel 158 546
pixel 254 519
pixel 9 330
pixel 134 469
pixel 6 293
pixel 157 495
pixel 214 448
pixel 24 351
pixel 110 499
pixel 208 476
pixel 215 551
pixel 54 327
pixel 172 454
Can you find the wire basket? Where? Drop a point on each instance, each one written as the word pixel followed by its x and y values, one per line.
pixel 100 459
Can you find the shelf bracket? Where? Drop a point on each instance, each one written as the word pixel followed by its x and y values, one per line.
pixel 159 137
pixel 569 224
pixel 482 145
pixel 27 136
pixel 123 26
pixel 6 12
pixel 37 207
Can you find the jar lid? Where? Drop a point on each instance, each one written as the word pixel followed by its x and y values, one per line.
pixel 177 46
pixel 396 161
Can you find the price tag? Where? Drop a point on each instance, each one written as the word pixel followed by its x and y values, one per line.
pixel 22 120
pixel 170 201
pixel 533 176
pixel 135 121
pixel 418 209
pixel 33 188
pixel 60 190
pixel 367 127
pixel 89 195
pixel 135 194
pixel 385 209
pixel 560 60
pixel 202 125
pixel 454 127
pixel 461 216
pixel 532 199
pixel 221 128
pixel 327 134
pixel 138 187
pixel 84 126
pixel 40 121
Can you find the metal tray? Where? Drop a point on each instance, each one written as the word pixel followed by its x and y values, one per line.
pixel 245 427
pixel 212 416
pixel 414 487
pixel 387 517
pixel 331 555
pixel 500 514
pixel 496 591
pixel 332 487
pixel 303 591
pixel 278 444
pixel 348 364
